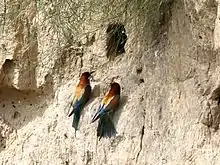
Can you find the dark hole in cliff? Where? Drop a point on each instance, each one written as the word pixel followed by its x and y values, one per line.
pixel 65 135
pixel 8 64
pixel 8 68
pixel 139 70
pixel 16 115
pixel 200 37
pixel 141 80
pixel 116 39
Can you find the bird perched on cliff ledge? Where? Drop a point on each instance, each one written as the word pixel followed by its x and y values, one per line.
pixel 81 97
pixel 107 107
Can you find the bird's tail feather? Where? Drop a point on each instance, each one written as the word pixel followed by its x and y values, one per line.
pixel 106 127
pixel 76 119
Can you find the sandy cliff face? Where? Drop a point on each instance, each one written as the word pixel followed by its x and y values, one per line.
pixel 169 111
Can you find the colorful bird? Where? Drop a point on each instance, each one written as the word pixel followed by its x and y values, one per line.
pixel 107 107
pixel 82 96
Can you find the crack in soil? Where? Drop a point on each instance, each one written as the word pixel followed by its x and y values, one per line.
pixel 141 137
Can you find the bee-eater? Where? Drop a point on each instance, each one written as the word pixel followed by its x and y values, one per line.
pixel 107 107
pixel 81 97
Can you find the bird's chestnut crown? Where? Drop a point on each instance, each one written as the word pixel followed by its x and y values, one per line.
pixel 86 74
pixel 115 87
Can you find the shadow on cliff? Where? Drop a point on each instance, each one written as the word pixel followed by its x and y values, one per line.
pixel 117 114
pixel 19 108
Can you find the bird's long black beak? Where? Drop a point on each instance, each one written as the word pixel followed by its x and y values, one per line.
pixel 91 77
pixel 92 72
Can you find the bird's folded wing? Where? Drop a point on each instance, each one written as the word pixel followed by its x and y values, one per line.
pixel 112 102
pixel 83 94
